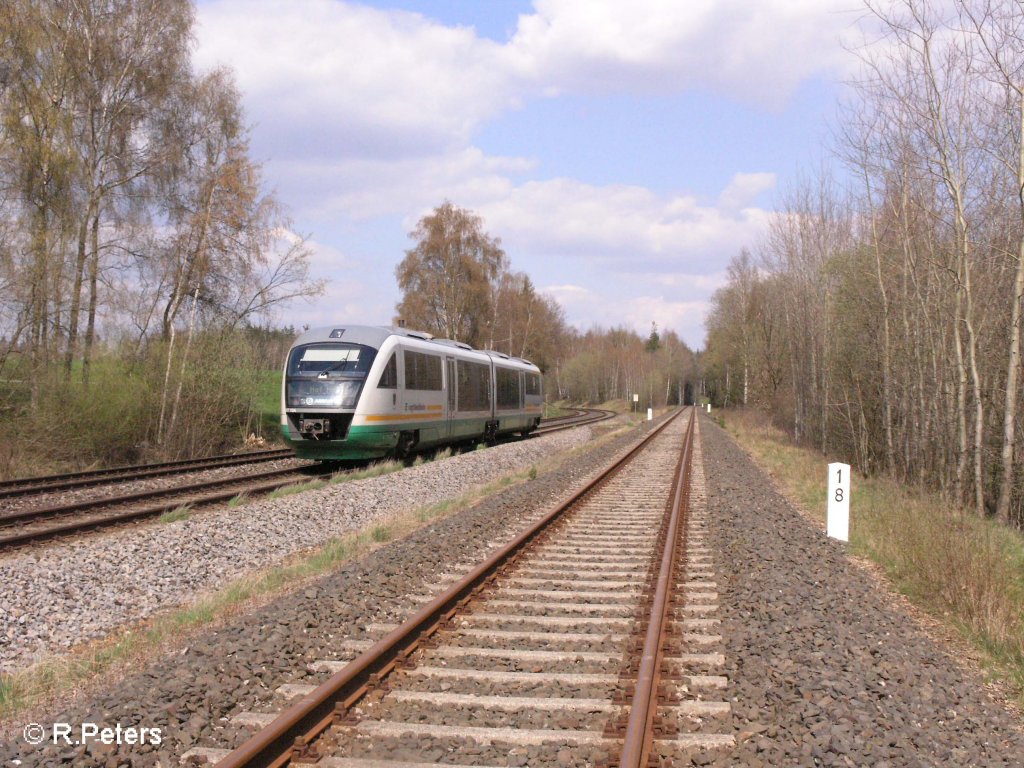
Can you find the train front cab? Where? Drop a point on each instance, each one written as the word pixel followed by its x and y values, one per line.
pixel 325 378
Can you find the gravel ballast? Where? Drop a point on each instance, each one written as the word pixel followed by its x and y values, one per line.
pixel 237 667
pixel 823 666
pixel 58 595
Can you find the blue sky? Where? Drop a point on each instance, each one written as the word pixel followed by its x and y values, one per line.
pixel 622 152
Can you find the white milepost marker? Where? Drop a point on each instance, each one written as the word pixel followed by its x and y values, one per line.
pixel 709 407
pixel 838 524
pixel 650 414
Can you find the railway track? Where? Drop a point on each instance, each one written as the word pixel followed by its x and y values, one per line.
pixel 38 524
pixel 42 523
pixel 588 640
pixel 50 483
pixel 581 417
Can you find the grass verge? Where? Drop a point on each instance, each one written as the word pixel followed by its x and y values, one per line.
pixel 966 572
pixel 42 684
pixel 174 515
pixel 376 469
pixel 289 490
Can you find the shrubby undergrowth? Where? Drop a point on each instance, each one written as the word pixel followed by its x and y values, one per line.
pixel 226 391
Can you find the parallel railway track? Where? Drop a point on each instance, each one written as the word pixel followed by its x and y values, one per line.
pixel 50 483
pixel 37 524
pixel 45 522
pixel 592 632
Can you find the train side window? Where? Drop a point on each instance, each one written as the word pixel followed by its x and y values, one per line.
pixel 532 384
pixel 507 381
pixel 422 371
pixel 474 386
pixel 389 378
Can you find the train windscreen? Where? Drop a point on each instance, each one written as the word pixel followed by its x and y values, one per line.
pixel 325 375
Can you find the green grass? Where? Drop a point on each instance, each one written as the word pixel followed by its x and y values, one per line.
pixel 6 690
pixel 965 571
pixel 378 468
pixel 291 490
pixel 174 515
pixel 238 500
pixel 554 410
pixel 268 401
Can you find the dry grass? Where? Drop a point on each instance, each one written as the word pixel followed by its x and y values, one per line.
pixel 966 572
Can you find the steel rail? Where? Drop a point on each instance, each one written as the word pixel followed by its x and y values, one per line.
pixel 176 496
pixel 75 507
pixel 590 416
pixel 50 482
pixel 24 486
pixel 298 726
pixel 638 738
pixel 90 524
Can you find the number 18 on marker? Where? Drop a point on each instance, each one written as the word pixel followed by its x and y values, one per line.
pixel 838 518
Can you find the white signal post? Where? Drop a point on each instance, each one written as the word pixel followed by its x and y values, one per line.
pixel 838 518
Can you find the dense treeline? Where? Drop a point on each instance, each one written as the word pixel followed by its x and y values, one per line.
pixel 136 241
pixel 618 363
pixel 457 283
pixel 881 321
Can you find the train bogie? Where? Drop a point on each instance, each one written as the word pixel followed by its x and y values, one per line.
pixel 361 392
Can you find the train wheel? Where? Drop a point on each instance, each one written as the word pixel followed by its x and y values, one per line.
pixel 406 442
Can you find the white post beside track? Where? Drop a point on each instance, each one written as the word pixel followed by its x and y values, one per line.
pixel 650 414
pixel 838 518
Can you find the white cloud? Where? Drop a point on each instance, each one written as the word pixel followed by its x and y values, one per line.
pixel 744 188
pixel 629 227
pixel 757 52
pixel 347 293
pixel 344 80
pixel 352 80
pixel 368 187
pixel 590 308
pixel 370 113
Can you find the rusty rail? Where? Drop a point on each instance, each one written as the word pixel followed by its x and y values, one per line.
pixel 48 483
pixel 639 736
pixel 583 417
pixel 293 732
pixel 182 495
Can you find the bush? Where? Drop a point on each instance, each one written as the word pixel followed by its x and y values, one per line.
pixel 115 419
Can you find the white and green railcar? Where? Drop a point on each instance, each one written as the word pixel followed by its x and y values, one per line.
pixel 360 392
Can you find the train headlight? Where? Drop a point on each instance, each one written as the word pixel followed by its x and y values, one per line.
pixel 322 394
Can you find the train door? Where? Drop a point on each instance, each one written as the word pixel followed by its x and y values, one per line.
pixel 452 394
